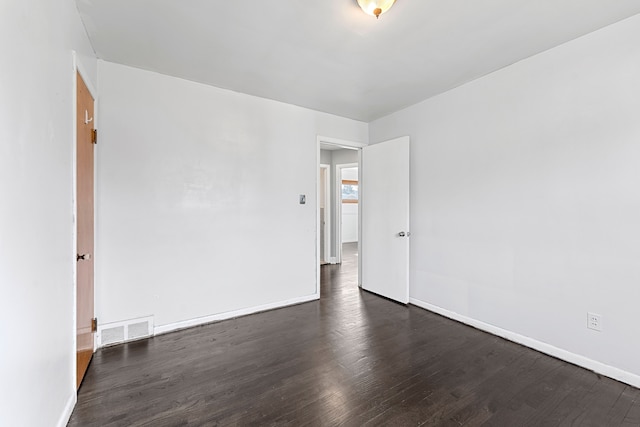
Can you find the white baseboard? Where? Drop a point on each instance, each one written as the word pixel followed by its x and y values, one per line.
pixel 68 410
pixel 333 260
pixel 163 329
pixel 576 359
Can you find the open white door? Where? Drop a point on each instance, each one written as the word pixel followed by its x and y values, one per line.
pixel 384 198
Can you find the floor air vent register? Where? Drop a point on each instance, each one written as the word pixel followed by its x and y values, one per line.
pixel 125 331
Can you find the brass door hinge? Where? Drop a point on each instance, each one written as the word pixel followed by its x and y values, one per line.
pixel 94 136
pixel 94 325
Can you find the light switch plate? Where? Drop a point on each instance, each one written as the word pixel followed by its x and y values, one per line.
pixel 303 199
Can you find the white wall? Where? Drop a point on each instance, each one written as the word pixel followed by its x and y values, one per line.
pixel 325 157
pixel 344 156
pixel 198 198
pixel 349 222
pixel 37 329
pixel 524 199
pixel 350 211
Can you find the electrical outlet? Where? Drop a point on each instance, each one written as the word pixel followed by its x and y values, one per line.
pixel 594 321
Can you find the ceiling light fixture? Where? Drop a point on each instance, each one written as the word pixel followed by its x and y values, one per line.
pixel 375 7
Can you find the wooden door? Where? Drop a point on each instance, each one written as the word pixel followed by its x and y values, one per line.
pixel 385 219
pixel 84 215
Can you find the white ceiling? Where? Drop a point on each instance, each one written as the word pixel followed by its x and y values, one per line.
pixel 328 55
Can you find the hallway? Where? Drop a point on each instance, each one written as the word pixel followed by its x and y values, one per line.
pixel 351 358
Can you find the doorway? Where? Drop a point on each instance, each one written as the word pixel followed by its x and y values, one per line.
pixel 383 187
pixel 334 156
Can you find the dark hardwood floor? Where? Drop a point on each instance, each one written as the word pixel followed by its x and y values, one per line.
pixel 351 359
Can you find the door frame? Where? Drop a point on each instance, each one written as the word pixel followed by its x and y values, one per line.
pixel 327 211
pixel 341 143
pixel 79 68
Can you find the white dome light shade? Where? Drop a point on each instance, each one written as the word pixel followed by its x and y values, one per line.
pixel 375 7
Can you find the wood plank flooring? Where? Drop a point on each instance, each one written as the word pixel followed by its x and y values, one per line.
pixel 350 359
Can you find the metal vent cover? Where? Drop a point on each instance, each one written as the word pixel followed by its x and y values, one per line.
pixel 127 330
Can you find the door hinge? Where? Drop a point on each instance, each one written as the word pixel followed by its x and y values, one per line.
pixel 94 136
pixel 94 325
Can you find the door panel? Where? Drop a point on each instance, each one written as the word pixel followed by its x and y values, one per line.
pixel 84 215
pixel 385 218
